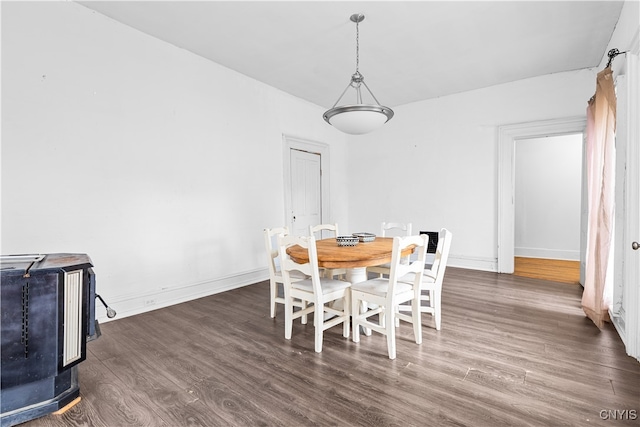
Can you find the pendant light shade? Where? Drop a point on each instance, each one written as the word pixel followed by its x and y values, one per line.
pixel 358 118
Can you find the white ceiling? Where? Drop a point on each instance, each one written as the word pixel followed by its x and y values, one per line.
pixel 409 51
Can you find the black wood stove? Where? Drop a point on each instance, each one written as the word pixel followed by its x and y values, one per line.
pixel 47 316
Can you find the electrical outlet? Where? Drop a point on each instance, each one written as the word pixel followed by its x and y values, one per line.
pixel 149 302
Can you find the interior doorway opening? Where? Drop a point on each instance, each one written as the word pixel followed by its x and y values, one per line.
pixel 548 194
pixel 507 137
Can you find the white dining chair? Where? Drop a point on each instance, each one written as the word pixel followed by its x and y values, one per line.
pixel 431 287
pixel 276 289
pixel 382 296
pixel 317 291
pixel 320 229
pixel 390 229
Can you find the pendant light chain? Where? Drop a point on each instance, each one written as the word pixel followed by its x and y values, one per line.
pixel 357 78
pixel 357 47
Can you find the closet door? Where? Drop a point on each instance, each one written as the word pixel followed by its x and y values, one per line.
pixel 306 191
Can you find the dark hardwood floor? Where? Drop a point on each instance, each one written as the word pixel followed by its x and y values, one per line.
pixel 512 351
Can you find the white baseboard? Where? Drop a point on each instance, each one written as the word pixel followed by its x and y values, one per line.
pixel 130 305
pixel 473 263
pixel 547 253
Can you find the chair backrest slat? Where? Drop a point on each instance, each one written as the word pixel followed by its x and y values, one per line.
pixel 332 228
pixel 442 255
pixel 287 264
pixel 392 227
pixel 399 269
pixel 271 248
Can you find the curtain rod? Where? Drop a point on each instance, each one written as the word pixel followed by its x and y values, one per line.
pixel 612 54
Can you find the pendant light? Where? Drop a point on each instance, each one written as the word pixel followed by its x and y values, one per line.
pixel 358 118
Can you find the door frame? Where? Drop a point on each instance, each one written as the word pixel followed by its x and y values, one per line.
pixel 627 323
pixel 507 137
pixel 289 143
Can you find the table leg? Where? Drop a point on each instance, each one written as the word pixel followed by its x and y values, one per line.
pixel 357 275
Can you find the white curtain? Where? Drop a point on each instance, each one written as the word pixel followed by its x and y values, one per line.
pixel 601 126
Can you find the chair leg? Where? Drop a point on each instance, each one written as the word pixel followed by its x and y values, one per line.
pixel 355 314
pixel 391 337
pixel 363 309
pixel 303 318
pixel 288 317
pixel 318 323
pixel 346 304
pixel 417 320
pixel 437 309
pixel 273 289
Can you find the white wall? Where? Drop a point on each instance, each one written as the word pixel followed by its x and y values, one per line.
pixel 162 166
pixel 176 162
pixel 435 163
pixel 548 175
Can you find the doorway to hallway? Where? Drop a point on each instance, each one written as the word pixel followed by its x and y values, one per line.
pixel 507 137
pixel 547 191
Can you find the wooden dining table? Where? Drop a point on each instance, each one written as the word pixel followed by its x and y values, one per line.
pixel 355 259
